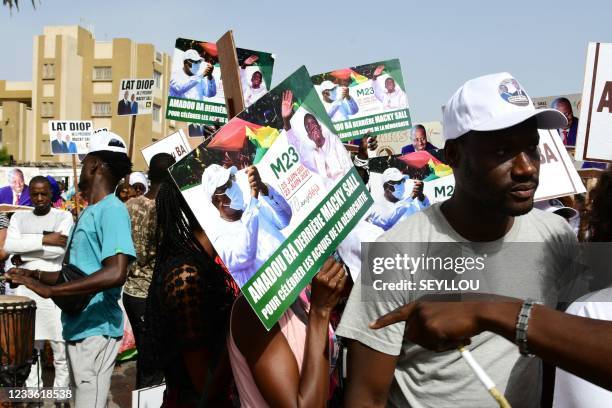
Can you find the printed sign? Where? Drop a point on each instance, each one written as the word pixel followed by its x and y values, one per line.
pixel 70 136
pixel 365 100
pixel 175 144
pixel 135 97
pixel 276 192
pixel 195 92
pixel 594 142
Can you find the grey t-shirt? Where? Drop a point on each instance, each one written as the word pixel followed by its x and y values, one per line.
pixel 426 379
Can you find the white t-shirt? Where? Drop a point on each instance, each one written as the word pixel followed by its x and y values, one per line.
pixel 572 391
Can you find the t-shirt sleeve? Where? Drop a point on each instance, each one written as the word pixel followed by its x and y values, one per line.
pixel 572 273
pixel 366 303
pixel 116 232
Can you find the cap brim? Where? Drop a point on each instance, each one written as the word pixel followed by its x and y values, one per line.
pixel 546 119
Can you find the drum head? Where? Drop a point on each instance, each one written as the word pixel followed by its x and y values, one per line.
pixel 8 300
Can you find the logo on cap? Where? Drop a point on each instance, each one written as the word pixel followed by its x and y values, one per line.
pixel 510 91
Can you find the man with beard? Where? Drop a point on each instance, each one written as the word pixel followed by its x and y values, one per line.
pixel 245 235
pixel 37 240
pixel 101 247
pixel 492 146
pixel 255 88
pixel 323 153
pixel 390 95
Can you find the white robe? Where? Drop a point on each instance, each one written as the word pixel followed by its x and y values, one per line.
pixel 394 100
pixel 24 237
pixel 331 161
pixel 245 245
pixel 251 95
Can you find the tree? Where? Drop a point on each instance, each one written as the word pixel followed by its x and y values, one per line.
pixel 5 158
pixel 11 3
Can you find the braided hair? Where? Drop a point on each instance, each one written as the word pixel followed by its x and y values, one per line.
pixel 176 245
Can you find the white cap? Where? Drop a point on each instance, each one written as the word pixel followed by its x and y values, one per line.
pixel 493 102
pixel 192 55
pixel 393 174
pixel 108 141
pixel 215 176
pixel 557 207
pixel 327 85
pixel 138 177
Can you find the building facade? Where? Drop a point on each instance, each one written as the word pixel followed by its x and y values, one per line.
pixel 75 77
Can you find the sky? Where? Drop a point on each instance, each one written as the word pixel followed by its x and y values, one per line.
pixel 440 44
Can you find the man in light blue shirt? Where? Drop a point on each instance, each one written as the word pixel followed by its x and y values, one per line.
pixel 101 246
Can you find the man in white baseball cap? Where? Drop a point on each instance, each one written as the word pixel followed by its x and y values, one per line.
pixel 338 102
pixel 396 204
pixel 192 81
pixel 245 234
pixel 101 247
pixel 491 130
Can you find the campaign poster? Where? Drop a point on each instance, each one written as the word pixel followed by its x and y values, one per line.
pixel 70 136
pixel 176 144
pixel 594 142
pixel 569 105
pixel 304 196
pixel 195 93
pixel 365 100
pixel 394 184
pixel 135 97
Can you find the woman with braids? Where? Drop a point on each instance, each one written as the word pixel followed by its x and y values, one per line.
pixel 188 309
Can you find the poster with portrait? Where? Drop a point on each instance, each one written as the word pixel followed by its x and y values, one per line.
pixel 365 100
pixel 195 92
pixel 276 192
pixel 70 136
pixel 135 97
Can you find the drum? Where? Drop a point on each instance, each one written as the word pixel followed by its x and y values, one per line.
pixel 17 315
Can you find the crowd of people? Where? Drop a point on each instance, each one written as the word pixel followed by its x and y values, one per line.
pixel 137 242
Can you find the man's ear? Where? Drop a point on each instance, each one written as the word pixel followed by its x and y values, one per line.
pixel 452 153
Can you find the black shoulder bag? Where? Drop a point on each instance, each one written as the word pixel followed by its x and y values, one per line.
pixel 73 304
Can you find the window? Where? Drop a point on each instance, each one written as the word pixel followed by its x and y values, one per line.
pixel 103 74
pixel 101 109
pixel 48 71
pixel 158 56
pixel 45 148
pixel 157 76
pixel 156 113
pixel 47 109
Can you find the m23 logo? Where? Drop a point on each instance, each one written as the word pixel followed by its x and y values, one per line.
pixel 285 161
pixel 365 92
pixel 444 191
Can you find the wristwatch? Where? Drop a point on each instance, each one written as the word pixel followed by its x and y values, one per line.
pixel 522 324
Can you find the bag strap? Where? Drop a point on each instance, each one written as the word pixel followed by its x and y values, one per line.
pixel 69 246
